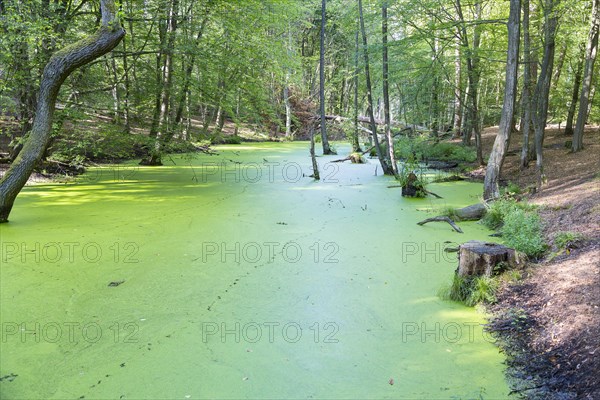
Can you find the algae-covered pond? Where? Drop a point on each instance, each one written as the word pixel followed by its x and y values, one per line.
pixel 235 276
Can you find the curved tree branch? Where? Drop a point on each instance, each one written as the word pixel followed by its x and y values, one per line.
pixel 60 66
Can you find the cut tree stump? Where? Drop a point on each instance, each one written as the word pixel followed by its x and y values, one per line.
pixel 476 258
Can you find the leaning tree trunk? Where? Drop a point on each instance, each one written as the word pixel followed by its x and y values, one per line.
pixel 590 58
pixel 490 187
pixel 60 66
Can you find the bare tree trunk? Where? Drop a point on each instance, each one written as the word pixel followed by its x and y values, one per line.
pixel 472 125
pixel 188 72
pixel 575 94
pixel 386 168
pixel 590 58
pixel 355 141
pixel 386 91
pixel 457 123
pixel 559 66
pixel 325 142
pixel 167 83
pixel 542 89
pixel 527 85
pixel 312 153
pixel 490 187
pixel 60 66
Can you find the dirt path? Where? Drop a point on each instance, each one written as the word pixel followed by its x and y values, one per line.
pixel 550 321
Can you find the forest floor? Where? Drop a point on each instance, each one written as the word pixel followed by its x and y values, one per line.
pixel 549 322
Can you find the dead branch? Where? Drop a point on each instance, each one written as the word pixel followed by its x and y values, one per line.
pixel 442 219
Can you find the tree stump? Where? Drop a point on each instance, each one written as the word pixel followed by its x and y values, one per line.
pixel 477 258
pixel 412 187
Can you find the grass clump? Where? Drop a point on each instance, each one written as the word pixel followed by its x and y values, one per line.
pixel 471 290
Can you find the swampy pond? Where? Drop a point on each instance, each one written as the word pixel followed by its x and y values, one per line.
pixel 235 276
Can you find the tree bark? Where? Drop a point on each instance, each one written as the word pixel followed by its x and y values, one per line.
pixel 355 141
pixel 325 142
pixel 575 95
pixel 457 123
pixel 386 89
pixel 385 167
pixel 590 58
pixel 60 66
pixel 476 258
pixel 542 89
pixel 501 143
pixel 527 85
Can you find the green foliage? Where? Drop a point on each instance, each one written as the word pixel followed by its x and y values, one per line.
pixel 108 143
pixel 471 290
pixel 499 209
pixel 512 189
pixel 568 240
pixel 520 223
pixel 410 169
pixel 449 212
pixel 522 231
pixel 483 290
pixel 421 147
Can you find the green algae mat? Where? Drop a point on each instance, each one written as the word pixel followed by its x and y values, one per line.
pixel 237 276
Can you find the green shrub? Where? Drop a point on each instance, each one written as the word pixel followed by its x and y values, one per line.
pixel 499 209
pixel 512 188
pixel 568 240
pixel 421 147
pixel 522 231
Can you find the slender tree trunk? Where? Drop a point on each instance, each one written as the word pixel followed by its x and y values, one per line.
pixel 527 85
pixel 542 89
pixel 384 165
pixel 457 123
pixel 559 66
pixel 60 66
pixel 188 72
pixel 126 110
pixel 355 141
pixel 313 157
pixel 472 125
pixel 386 89
pixel 575 95
pixel 164 128
pixel 325 142
pixel 490 188
pixel 588 75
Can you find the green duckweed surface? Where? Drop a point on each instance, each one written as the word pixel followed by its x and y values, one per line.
pixel 234 276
